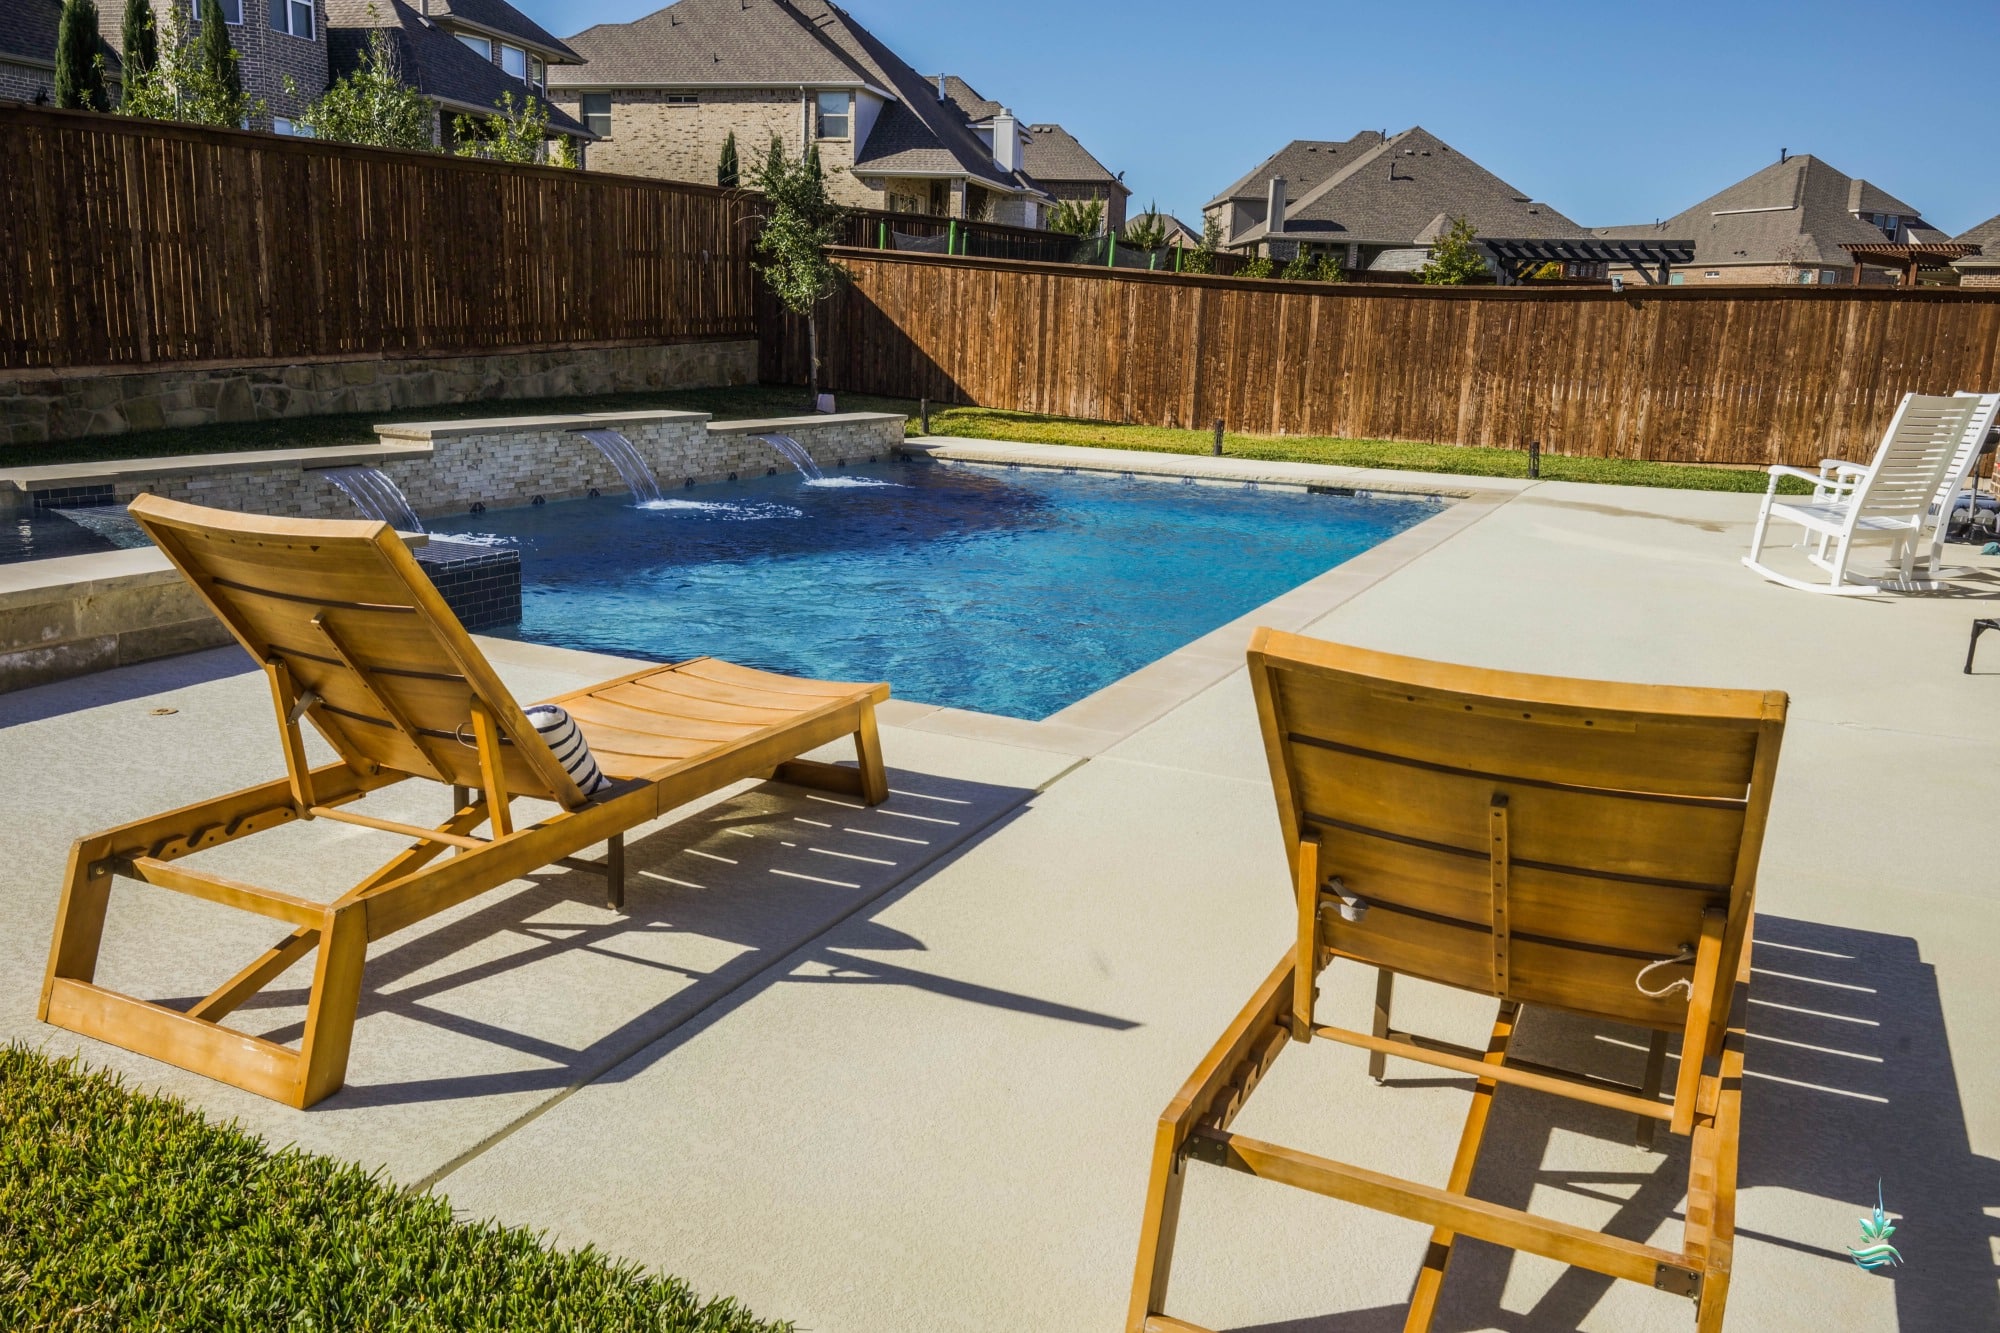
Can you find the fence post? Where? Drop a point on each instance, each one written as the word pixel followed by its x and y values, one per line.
pixel 1110 250
pixel 951 237
pixel 1218 437
pixel 924 415
pixel 1534 459
pixel 882 239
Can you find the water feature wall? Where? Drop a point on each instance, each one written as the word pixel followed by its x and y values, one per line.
pixel 635 471
pixel 794 453
pixel 376 496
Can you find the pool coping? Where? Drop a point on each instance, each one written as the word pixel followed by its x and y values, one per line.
pixel 1103 719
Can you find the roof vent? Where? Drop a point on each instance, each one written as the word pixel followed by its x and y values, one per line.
pixel 941 96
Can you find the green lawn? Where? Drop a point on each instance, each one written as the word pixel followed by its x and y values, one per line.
pixel 126 1212
pixel 968 422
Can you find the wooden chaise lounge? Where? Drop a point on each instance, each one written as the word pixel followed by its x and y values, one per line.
pixel 1575 845
pixel 355 640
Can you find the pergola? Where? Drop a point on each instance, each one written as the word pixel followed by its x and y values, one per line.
pixel 1656 256
pixel 1908 258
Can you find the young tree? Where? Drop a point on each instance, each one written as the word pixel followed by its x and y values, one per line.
pixel 1256 266
pixel 727 173
pixel 1455 258
pixel 184 86
pixel 372 105
pixel 1329 270
pixel 79 61
pixel 1300 268
pixel 800 222
pixel 1077 217
pixel 1146 232
pixel 562 153
pixel 515 135
pixel 142 39
pixel 1201 259
pixel 218 58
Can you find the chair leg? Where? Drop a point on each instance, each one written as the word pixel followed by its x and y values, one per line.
pixel 614 872
pixel 1156 1235
pixel 868 751
pixel 1430 1279
pixel 1385 984
pixel 336 999
pixel 1708 1311
pixel 86 898
pixel 1757 536
pixel 1649 1088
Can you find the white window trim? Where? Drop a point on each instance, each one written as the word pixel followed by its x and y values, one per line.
pixel 473 41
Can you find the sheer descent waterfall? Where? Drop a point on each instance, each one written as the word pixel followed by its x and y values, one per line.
pixel 633 468
pixel 795 454
pixel 375 495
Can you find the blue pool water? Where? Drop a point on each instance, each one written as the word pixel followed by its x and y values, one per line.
pixel 1015 591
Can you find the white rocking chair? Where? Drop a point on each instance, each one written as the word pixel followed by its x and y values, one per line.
pixel 1838 476
pixel 1889 500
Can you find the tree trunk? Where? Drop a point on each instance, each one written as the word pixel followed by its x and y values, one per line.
pixel 812 354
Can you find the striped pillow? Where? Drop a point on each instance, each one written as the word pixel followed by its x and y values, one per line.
pixel 556 727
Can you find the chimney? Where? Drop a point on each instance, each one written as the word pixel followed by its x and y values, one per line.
pixel 1784 156
pixel 1006 141
pixel 941 96
pixel 1274 213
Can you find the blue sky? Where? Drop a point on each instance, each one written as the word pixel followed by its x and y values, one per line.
pixel 1613 114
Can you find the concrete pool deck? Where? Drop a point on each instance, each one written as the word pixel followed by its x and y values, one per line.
pixel 897 1070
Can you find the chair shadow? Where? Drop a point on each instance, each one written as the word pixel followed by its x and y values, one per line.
pixel 1849 1080
pixel 773 902
pixel 141 680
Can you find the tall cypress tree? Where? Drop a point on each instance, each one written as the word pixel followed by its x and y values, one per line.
pixel 142 39
pixel 727 174
pixel 79 73
pixel 215 55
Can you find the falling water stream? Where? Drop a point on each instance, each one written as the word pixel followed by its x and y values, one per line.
pixel 795 454
pixel 375 495
pixel 633 468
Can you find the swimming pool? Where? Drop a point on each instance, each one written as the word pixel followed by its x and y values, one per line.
pixel 1014 591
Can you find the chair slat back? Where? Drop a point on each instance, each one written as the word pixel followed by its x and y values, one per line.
pixel 1530 837
pixel 1985 412
pixel 350 615
pixel 1922 441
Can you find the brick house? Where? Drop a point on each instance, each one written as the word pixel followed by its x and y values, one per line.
pixel 461 54
pixel 1050 154
pixel 1784 224
pixel 1375 202
pixel 661 94
pixel 1982 269
pixel 28 50
pixel 275 41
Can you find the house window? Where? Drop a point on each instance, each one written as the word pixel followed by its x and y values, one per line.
pixel 537 73
pixel 833 115
pixel 597 114
pixel 232 12
pixel 292 16
pixel 683 99
pixel 282 125
pixel 478 44
pixel 515 61
pixel 1808 276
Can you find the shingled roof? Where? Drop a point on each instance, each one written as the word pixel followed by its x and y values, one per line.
pixel 428 59
pixel 1987 237
pixel 1397 191
pixel 771 44
pixel 1304 163
pixel 1796 211
pixel 1052 155
pixel 498 16
pixel 28 33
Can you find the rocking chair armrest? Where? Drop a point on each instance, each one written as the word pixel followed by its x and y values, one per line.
pixel 1779 471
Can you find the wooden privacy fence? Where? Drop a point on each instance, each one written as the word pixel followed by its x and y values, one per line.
pixel 1745 375
pixel 130 242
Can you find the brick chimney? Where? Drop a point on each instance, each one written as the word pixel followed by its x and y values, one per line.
pixel 1274 212
pixel 1006 141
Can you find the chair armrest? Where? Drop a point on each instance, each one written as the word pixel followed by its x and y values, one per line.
pixel 1779 470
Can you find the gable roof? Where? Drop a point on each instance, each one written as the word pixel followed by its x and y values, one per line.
pixel 1796 211
pixel 1304 163
pixel 781 44
pixel 1987 237
pixel 501 17
pixel 1404 190
pixel 28 31
pixel 1052 153
pixel 427 58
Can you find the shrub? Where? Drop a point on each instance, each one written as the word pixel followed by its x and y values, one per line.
pixel 1257 266
pixel 1077 217
pixel 142 38
pixel 372 105
pixel 121 1211
pixel 1146 232
pixel 1201 259
pixel 1455 260
pixel 191 81
pixel 518 134
pixel 1328 269
pixel 1300 268
pixel 728 174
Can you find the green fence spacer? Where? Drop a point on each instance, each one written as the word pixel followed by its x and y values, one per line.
pixel 882 241
pixel 1110 250
pixel 951 237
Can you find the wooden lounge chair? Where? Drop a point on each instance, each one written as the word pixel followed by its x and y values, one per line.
pixel 355 640
pixel 1889 500
pixel 1583 846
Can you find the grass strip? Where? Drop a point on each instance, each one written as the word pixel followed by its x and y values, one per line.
pixel 121 1211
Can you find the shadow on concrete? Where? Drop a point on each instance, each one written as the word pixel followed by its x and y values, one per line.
pixel 759 882
pixel 142 680
pixel 1849 1080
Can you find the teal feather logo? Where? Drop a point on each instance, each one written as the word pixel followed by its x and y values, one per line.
pixel 1875 1250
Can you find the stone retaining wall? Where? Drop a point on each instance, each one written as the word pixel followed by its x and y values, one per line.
pixel 42 406
pixel 85 613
